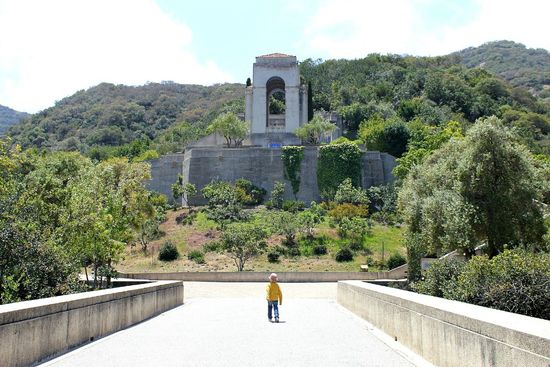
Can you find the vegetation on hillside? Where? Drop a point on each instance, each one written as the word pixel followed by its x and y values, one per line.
pixel 519 65
pixel 10 117
pixel 114 115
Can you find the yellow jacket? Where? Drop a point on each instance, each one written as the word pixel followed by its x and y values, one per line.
pixel 273 292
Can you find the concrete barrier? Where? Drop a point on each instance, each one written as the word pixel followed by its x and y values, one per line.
pixel 450 333
pixel 32 331
pixel 249 276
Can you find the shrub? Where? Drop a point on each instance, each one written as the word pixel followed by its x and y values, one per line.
pixel 396 260
pixel 212 246
pixel 441 278
pixel 293 206
pixel 293 251
pixel 320 250
pixel 347 210
pixel 248 193
pixel 273 256
pixel 168 252
pixel 515 281
pixel 344 254
pixel 196 256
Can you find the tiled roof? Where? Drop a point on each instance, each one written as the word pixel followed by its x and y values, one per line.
pixel 277 54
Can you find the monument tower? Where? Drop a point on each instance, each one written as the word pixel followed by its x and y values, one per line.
pixel 276 102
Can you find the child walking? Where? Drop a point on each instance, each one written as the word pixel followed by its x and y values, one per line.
pixel 274 297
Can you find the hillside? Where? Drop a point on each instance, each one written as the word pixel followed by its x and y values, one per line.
pixel 111 115
pixel 9 117
pixel 433 90
pixel 519 65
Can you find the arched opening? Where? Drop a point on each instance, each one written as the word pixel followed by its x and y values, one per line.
pixel 276 103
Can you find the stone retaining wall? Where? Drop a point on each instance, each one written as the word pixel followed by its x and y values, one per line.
pixel 31 331
pixel 450 333
pixel 249 276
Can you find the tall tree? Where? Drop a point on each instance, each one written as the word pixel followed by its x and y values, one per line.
pixel 480 190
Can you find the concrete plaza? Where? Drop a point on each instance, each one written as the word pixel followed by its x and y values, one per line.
pixel 225 324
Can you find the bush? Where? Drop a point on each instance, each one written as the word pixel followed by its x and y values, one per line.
pixel 293 206
pixel 396 260
pixel 213 246
pixel 515 281
pixel 347 210
pixel 249 194
pixel 441 278
pixel 273 256
pixel 320 250
pixel 168 252
pixel 196 256
pixel 344 254
pixel 293 251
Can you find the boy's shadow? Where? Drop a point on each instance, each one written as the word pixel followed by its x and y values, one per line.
pixel 280 322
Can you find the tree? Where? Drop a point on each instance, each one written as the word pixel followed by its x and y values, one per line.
pixel 482 189
pixel 248 82
pixel 315 130
pixel 277 195
pixel 309 102
pixel 355 229
pixel 231 128
pixel 347 193
pixel 311 217
pixel 242 241
pixel 288 225
pixel 224 205
pixel 390 136
pixel 183 190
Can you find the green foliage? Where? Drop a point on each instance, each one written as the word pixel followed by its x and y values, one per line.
pixel 311 217
pixel 347 193
pixel 347 210
pixel 320 250
pixel 395 260
pixel 277 103
pixel 249 194
pixel 292 159
pixel 515 281
pixel 345 254
pixel 10 117
pixel 277 195
pixel 440 280
pixel 287 224
pixel 512 61
pixel 168 252
pixel 181 189
pixel 293 206
pixel 224 203
pixel 354 229
pixel 480 189
pixel 336 163
pixel 196 256
pixel 242 241
pixel 391 136
pixel 109 114
pixel 230 127
pixel 314 130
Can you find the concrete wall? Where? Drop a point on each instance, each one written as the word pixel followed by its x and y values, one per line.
pixel 450 333
pixel 249 276
pixel 31 331
pixel 164 173
pixel 264 166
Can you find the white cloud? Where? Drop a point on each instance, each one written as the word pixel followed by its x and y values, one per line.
pixel 354 28
pixel 51 49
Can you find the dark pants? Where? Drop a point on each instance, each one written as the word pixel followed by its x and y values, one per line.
pixel 272 305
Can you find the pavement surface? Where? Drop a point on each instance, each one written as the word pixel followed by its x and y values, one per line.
pixel 225 324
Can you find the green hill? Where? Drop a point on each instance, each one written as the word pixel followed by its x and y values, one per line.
pixel 9 117
pixel 519 65
pixel 112 115
pixel 433 90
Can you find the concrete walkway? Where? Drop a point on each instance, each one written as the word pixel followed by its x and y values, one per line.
pixel 225 324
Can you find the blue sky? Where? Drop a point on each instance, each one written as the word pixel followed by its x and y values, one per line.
pixel 50 49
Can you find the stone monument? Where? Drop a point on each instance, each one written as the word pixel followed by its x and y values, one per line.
pixel 275 74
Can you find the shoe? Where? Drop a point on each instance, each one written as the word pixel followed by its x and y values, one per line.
pixel 276 319
pixel 270 320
